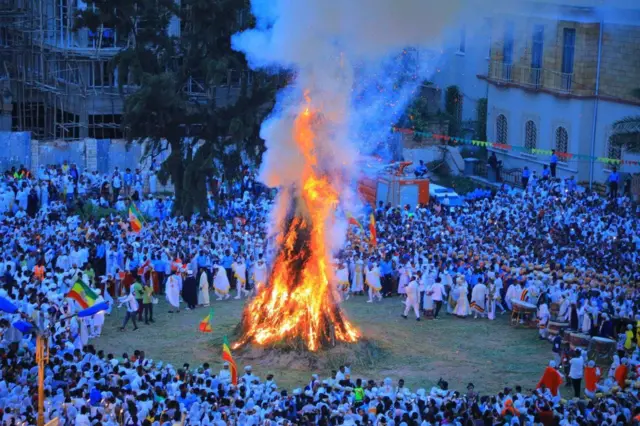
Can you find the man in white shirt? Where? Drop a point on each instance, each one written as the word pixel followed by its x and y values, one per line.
pixel 437 294
pixel 132 309
pixel 576 372
pixel 413 299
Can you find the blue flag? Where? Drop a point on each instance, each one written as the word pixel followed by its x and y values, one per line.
pixel 7 306
pixel 23 326
pixel 102 306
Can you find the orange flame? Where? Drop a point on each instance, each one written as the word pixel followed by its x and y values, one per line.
pixel 298 302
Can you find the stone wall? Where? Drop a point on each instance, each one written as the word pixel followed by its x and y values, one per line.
pixel 620 57
pixel 620 62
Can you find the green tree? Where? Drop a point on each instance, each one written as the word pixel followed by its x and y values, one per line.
pixel 626 131
pixel 482 119
pixel 453 107
pixel 191 95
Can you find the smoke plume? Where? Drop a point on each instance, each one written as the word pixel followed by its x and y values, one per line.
pixel 359 61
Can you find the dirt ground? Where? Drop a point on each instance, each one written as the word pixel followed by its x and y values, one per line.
pixel 491 354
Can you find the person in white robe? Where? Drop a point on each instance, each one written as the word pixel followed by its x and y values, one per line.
pixel 372 276
pixel 462 304
pixel 174 287
pixel 564 312
pixel 259 274
pixel 584 314
pixel 543 321
pixel 153 182
pixel 342 280
pixel 239 269
pixel 203 289
pixel 97 320
pixel 221 283
pixel 478 299
pixel 493 302
pixel 514 292
pixel 413 299
pixel 404 272
pixel 357 284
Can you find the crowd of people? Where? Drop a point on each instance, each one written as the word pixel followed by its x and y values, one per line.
pixel 569 253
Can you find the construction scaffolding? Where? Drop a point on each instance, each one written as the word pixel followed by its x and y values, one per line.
pixel 58 82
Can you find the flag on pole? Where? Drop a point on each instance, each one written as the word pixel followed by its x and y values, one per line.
pixel 353 221
pixel 206 323
pixel 226 356
pixel 7 306
pixel 135 218
pixel 82 293
pixel 102 306
pixel 372 230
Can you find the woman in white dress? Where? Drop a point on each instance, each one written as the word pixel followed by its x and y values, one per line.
pixel 462 305
pixel 342 280
pixel 357 284
pixel 203 291
pixel 221 283
pixel 373 281
pixel 427 283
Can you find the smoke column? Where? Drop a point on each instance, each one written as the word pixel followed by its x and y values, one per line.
pixel 348 55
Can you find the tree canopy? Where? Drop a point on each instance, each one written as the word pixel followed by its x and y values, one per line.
pixel 190 94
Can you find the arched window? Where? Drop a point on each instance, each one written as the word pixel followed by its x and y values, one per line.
pixel 613 151
pixel 562 141
pixel 501 129
pixel 530 135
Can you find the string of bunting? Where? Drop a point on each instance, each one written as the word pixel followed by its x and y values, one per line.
pixel 451 140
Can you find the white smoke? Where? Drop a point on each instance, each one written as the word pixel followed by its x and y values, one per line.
pixel 349 55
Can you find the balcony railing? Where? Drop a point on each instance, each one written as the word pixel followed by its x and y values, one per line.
pixel 480 169
pixel 512 177
pixel 529 77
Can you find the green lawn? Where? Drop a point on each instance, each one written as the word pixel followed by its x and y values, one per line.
pixel 491 354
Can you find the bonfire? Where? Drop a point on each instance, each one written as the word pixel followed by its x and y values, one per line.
pixel 299 306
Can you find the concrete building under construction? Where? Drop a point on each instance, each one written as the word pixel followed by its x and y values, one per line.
pixel 57 83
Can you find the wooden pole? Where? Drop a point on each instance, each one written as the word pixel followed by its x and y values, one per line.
pixel 42 358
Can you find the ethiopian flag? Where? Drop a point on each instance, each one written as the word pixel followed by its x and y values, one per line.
pixel 135 218
pixel 353 221
pixel 372 230
pixel 81 293
pixel 226 356
pixel 205 324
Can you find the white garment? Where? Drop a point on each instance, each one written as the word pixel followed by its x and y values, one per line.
pixel 413 299
pixel 203 293
pixel 221 281
pixel 260 275
pixel 478 298
pixel 462 306
pixel 173 291
pixel 577 368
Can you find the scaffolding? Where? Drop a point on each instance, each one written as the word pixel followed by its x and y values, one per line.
pixel 59 81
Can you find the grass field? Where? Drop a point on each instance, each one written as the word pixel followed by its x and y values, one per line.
pixel 491 354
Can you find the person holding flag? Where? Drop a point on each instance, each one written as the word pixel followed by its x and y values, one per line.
pixel 135 218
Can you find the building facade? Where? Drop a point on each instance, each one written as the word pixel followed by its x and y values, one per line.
pixel 558 77
pixel 59 82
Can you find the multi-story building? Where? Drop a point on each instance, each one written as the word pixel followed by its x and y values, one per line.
pixel 557 74
pixel 59 83
pixel 559 77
